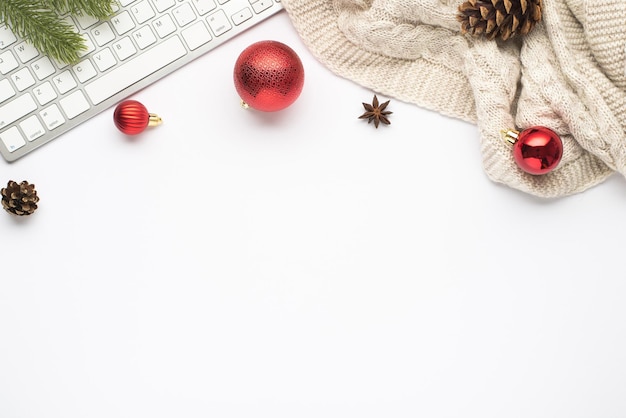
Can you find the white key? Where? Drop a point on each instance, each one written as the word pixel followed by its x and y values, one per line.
pixel 25 51
pixel 125 2
pixel 241 16
pixel 44 93
pixel 15 109
pixel 144 37
pixel 261 5
pixel 12 139
pixel 204 6
pixel 102 34
pixel 104 59
pixel 52 117
pixel 43 67
pixel 68 21
pixel 84 71
pixel 124 48
pixel 6 90
pixel 85 21
pixel 219 23
pixel 89 46
pixel 142 11
pixel 122 23
pixel 32 128
pixel 196 35
pixel 64 81
pixel 164 26
pixel 135 69
pixel 184 15
pixel 6 37
pixel 74 104
pixel 7 62
pixel 23 79
pixel 163 5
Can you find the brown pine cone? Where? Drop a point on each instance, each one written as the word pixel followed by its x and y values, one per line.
pixel 500 19
pixel 19 199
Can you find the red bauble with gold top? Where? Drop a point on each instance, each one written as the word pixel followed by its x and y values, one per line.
pixel 268 76
pixel 131 117
pixel 538 150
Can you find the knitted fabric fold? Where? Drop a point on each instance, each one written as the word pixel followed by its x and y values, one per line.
pixel 568 74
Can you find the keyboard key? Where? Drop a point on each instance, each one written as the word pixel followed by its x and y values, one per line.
pixel 12 139
pixel 219 23
pixel 163 5
pixel 64 81
pixel 23 79
pixel 104 59
pixel 43 67
pixel 85 21
pixel 6 37
pixel 74 104
pixel 32 128
pixel 136 69
pixel 52 117
pixel 7 62
pixel 144 37
pixel 261 5
pixel 89 46
pixel 196 35
pixel 123 23
pixel 164 26
pixel 124 48
pixel 103 34
pixel 68 21
pixel 45 93
pixel 25 51
pixel 184 15
pixel 142 11
pixel 204 6
pixel 15 109
pixel 84 71
pixel 6 90
pixel 125 3
pixel 241 16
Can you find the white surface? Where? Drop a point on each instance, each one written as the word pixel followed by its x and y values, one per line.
pixel 302 264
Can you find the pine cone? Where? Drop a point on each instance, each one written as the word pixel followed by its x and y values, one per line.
pixel 499 18
pixel 19 199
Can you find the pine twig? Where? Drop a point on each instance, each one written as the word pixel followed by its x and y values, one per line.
pixel 38 23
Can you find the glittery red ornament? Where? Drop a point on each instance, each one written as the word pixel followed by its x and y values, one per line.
pixel 536 150
pixel 268 76
pixel 131 117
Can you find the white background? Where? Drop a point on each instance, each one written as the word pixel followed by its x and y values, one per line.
pixel 231 263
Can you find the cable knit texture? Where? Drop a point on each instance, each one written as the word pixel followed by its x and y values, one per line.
pixel 568 74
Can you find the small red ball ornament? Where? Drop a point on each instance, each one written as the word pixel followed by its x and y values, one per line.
pixel 131 117
pixel 268 76
pixel 536 150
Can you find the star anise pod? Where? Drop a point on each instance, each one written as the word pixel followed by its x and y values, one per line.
pixel 375 112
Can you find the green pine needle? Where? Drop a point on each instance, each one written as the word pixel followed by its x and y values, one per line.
pixel 38 23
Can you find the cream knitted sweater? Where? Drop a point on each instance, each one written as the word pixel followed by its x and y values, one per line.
pixel 568 74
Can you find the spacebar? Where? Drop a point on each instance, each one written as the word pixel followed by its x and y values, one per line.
pixel 135 70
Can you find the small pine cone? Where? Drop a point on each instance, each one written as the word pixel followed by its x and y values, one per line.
pixel 19 199
pixel 501 19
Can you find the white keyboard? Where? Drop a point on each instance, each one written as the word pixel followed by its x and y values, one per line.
pixel 145 40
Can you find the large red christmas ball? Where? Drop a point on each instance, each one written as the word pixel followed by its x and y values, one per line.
pixel 268 76
pixel 538 150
